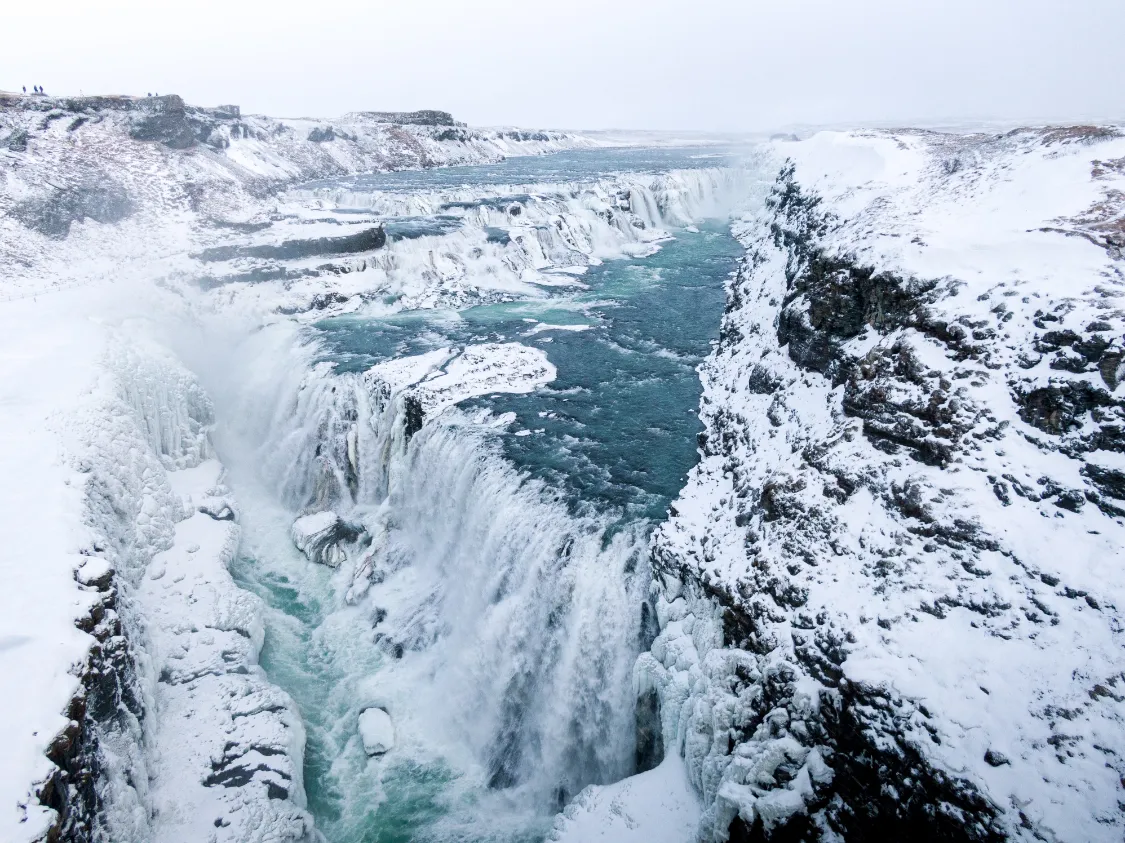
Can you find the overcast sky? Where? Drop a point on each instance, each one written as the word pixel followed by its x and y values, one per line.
pixel 707 64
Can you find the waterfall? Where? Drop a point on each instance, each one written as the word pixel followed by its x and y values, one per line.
pixel 497 626
pixel 491 615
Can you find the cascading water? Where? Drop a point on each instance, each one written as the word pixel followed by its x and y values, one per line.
pixel 492 596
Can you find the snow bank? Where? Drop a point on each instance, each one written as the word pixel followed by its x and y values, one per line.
pixel 46 374
pixel 658 806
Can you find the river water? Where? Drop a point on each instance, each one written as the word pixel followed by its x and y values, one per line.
pixel 503 613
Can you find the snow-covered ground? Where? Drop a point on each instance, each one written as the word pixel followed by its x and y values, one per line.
pixel 891 593
pixel 657 806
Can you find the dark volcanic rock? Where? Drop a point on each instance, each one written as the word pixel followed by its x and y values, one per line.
pixel 321 135
pixel 168 121
pixel 414 415
pixel 363 241
pixel 17 141
pixel 1063 405
pixel 107 699
pixel 928 416
pixel 165 120
pixel 421 118
pixel 54 213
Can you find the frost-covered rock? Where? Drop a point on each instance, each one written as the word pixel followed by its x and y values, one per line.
pixel 886 599
pixel 428 383
pixel 377 731
pixel 320 536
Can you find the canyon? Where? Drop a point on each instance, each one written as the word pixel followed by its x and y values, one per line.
pixel 387 478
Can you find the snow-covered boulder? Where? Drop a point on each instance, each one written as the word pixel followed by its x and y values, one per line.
pixel 377 731
pixel 433 381
pixel 320 536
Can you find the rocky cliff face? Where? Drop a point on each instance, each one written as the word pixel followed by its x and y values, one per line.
pixel 172 732
pixel 890 595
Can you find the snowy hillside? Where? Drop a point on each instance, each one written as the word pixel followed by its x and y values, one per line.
pixel 890 595
pixel 92 182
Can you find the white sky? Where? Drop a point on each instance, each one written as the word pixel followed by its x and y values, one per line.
pixel 708 64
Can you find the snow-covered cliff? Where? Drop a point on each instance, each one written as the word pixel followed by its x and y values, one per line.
pixel 137 712
pixel 890 595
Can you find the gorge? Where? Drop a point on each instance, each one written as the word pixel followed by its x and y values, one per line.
pixel 397 480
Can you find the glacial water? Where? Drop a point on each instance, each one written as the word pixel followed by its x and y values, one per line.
pixel 502 611
pixel 618 425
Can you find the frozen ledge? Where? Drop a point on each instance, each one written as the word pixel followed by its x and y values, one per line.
pixel 439 379
pixel 229 744
pixel 658 806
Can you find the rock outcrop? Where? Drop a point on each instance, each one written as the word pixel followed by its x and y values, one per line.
pixel 323 537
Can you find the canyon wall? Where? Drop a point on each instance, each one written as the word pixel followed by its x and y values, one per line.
pixel 889 596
